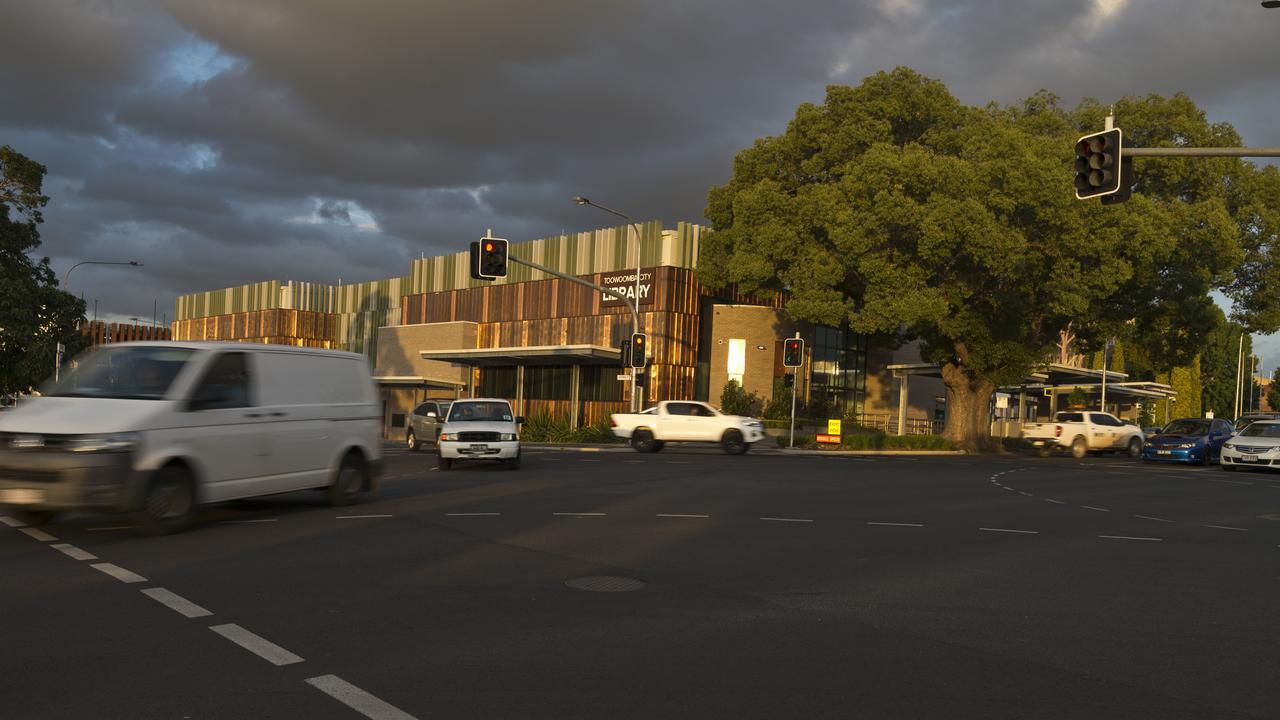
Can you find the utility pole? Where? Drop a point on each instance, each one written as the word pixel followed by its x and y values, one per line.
pixel 1239 368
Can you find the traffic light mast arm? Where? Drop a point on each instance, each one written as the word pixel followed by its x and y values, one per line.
pixel 1201 152
pixel 635 316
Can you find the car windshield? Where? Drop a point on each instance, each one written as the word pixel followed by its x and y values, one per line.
pixel 1262 429
pixel 480 412
pixel 130 373
pixel 1187 427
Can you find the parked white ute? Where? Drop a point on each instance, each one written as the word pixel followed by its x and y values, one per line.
pixel 1082 432
pixel 157 428
pixel 480 429
pixel 686 421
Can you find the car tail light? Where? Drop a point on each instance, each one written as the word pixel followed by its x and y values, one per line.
pixel 612 422
pixel 1057 431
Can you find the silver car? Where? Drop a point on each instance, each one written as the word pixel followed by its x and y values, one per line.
pixel 425 422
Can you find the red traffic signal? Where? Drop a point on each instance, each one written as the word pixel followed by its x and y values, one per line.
pixel 793 352
pixel 1097 165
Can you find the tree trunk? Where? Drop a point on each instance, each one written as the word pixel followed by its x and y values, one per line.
pixel 968 408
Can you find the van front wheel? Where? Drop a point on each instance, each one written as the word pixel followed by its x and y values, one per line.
pixel 346 487
pixel 169 504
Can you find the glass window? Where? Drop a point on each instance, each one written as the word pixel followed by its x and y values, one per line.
pixel 701 411
pixel 737 359
pixel 600 382
pixel 225 384
pixel 422 409
pixel 497 382
pixel 1188 427
pixel 551 382
pixel 132 373
pixel 1262 429
pixel 1069 417
pixel 678 408
pixel 479 411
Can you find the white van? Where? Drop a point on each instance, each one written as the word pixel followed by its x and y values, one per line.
pixel 159 428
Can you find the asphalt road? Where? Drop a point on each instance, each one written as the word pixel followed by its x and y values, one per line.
pixel 745 587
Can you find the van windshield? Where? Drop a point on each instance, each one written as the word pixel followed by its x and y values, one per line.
pixel 127 373
pixel 480 412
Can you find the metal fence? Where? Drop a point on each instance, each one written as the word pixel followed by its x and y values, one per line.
pixel 888 422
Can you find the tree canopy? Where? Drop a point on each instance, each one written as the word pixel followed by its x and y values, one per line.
pixel 34 314
pixel 895 208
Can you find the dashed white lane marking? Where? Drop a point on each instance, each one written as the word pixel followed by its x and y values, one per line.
pixel 1227 527
pixel 360 517
pixel 1006 487
pixel 633 462
pixel 677 462
pixel 897 524
pixel 246 522
pixel 1131 537
pixel 579 514
pixel 10 521
pixel 118 572
pixel 176 602
pixel 1229 482
pixel 484 514
pixel 357 699
pixel 677 515
pixel 114 527
pixel 1090 507
pixel 1022 492
pixel 1007 530
pixel 74 552
pixel 264 649
pixel 40 535
pixel 1148 517
pixel 777 519
pixel 1055 502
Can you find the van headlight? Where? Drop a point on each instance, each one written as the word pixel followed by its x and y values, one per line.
pixel 118 442
pixel 506 437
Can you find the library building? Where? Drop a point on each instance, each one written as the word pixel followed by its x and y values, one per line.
pixel 551 345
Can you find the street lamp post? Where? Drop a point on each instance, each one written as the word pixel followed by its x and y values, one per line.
pixel 635 395
pixel 66 285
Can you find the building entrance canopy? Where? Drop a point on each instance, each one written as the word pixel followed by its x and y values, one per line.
pixel 535 355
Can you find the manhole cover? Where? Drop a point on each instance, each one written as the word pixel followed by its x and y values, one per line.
pixel 605 583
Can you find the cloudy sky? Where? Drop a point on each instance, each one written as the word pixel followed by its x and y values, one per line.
pixel 242 140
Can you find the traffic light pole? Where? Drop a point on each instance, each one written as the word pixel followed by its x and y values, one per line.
pixel 635 318
pixel 795 380
pixel 1201 152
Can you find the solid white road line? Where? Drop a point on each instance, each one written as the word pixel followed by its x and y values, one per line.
pixel 896 524
pixel 245 522
pixel 1055 502
pixel 675 515
pixel 360 517
pixel 357 699
pixel 577 514
pixel 1006 530
pixel 118 573
pixel 786 519
pixel 74 552
pixel 1130 537
pixel 40 535
pixel 1227 527
pixel 1148 517
pixel 264 649
pixel 1090 507
pixel 176 603
pixel 115 527
pixel 471 514
pixel 10 521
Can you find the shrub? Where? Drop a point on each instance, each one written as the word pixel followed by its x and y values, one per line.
pixel 542 426
pixel 735 401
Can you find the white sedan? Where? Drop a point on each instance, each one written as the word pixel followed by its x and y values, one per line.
pixel 1258 445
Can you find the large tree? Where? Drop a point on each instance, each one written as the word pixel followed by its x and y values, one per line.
pixel 34 314
pixel 895 208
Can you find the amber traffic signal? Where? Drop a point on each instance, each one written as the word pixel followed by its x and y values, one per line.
pixel 489 259
pixel 639 349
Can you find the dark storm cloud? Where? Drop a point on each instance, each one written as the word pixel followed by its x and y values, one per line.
pixel 240 140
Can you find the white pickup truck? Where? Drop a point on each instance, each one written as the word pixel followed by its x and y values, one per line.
pixel 1083 432
pixel 687 421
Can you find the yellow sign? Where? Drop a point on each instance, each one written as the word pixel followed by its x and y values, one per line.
pixel 833 427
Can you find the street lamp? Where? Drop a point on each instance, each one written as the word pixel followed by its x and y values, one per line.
pixel 584 201
pixel 66 277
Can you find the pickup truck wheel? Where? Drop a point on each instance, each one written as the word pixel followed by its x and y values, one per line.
pixel 1045 451
pixel 733 443
pixel 642 441
pixel 1135 447
pixel 1079 448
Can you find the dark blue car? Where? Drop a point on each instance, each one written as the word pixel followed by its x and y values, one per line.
pixel 1189 440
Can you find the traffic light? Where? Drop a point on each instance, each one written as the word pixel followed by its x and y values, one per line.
pixel 1098 160
pixel 624 353
pixel 489 259
pixel 789 380
pixel 793 353
pixel 639 348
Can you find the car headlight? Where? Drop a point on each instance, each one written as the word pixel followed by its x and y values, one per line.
pixel 1229 446
pixel 119 442
pixel 448 437
pixel 754 423
pixel 506 437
